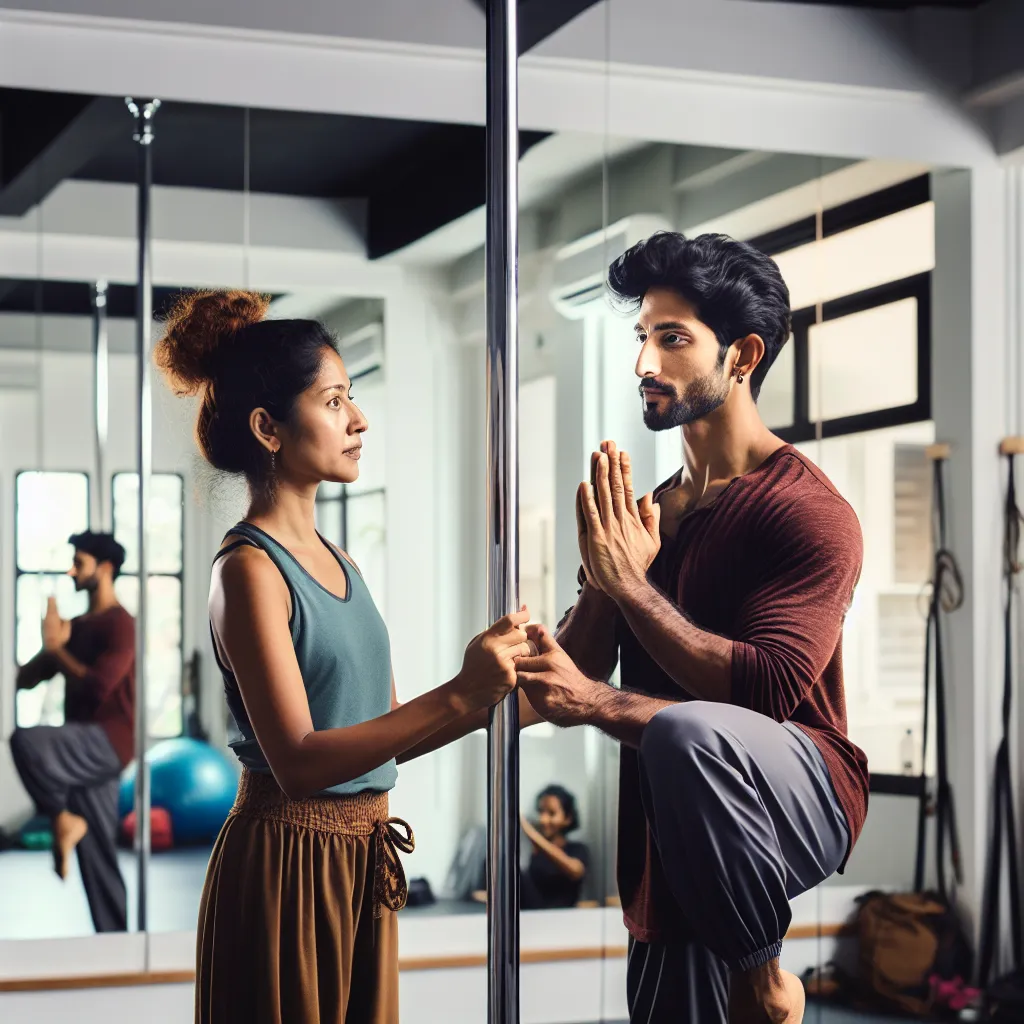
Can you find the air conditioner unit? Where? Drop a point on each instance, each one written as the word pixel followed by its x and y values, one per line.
pixel 580 267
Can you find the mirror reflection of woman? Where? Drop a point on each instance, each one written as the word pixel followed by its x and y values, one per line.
pixel 297 922
pixel 558 864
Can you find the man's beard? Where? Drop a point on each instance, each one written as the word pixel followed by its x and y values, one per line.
pixel 88 584
pixel 701 398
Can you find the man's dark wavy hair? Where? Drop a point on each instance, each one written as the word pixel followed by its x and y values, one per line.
pixel 101 546
pixel 736 289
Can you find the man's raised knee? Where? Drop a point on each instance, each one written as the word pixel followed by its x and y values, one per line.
pixel 678 732
pixel 19 743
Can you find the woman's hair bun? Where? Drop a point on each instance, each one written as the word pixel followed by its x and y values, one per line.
pixel 195 330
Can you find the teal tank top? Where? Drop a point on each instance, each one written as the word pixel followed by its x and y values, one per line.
pixel 343 652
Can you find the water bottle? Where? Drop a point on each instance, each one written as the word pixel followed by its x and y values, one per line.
pixel 907 752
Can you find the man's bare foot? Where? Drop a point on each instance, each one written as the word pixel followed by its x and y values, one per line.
pixel 766 995
pixel 68 831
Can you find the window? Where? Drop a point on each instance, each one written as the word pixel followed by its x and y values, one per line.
pixel 852 388
pixel 353 515
pixel 165 540
pixel 861 296
pixel 49 508
pixel 912 527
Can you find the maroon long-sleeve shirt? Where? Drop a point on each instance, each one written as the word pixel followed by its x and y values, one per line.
pixel 771 564
pixel 105 643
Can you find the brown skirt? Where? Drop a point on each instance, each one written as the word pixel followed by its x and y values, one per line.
pixel 296 921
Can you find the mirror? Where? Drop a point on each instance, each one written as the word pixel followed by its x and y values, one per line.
pixel 870 291
pixel 855 245
pixel 68 417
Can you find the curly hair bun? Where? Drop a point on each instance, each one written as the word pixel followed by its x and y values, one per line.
pixel 196 330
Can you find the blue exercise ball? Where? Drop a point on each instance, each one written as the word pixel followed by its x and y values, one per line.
pixel 194 783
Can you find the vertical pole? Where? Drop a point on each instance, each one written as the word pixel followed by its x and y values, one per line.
pixel 502 250
pixel 101 394
pixel 143 115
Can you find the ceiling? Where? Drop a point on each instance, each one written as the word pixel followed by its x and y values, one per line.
pixel 414 177
pixel 893 5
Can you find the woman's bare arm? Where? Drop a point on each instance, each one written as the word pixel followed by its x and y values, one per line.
pixel 249 607
pixel 571 867
pixel 466 725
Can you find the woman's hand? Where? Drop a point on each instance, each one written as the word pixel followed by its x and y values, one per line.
pixel 489 666
pixel 529 830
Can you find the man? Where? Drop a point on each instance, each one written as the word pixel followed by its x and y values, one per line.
pixel 72 771
pixel 722 596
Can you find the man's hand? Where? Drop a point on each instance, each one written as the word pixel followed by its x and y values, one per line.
pixel 558 691
pixel 56 631
pixel 618 538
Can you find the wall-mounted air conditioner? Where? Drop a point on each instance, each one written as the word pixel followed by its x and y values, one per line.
pixel 580 267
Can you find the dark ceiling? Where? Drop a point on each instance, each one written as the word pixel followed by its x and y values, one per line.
pixel 74 298
pixel 891 5
pixel 414 176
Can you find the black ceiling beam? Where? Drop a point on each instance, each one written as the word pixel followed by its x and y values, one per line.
pixel 48 139
pixel 442 178
pixel 540 18
pixel 74 298
pixel 893 5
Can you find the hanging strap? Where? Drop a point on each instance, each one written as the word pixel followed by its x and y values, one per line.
pixel 947 595
pixel 1004 826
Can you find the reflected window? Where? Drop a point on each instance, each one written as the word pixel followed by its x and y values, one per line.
pixel 777 400
pixel 859 355
pixel 864 362
pixel 886 477
pixel 49 508
pixel 890 248
pixel 353 516
pixel 165 609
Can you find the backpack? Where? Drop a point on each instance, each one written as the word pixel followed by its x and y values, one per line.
pixel 907 943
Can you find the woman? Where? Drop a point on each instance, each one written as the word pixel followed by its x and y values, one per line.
pixel 558 865
pixel 296 921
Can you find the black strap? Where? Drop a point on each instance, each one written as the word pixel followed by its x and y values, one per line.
pixel 243 542
pixel 1004 826
pixel 947 595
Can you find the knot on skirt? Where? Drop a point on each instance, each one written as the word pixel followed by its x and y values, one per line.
pixel 390 885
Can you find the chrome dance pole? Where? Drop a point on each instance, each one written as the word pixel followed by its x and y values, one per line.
pixel 143 114
pixel 101 394
pixel 502 253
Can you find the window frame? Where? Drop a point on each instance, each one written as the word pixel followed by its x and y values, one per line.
pixel 835 220
pixel 18 571
pixel 803 428
pixel 343 499
pixel 179 576
pixel 345 495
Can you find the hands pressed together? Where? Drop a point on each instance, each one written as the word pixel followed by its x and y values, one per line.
pixel 56 631
pixel 619 539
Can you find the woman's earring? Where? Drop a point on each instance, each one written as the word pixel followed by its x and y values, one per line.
pixel 273 462
pixel 739 379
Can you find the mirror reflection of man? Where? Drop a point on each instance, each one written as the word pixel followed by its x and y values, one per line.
pixel 722 598
pixel 72 771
